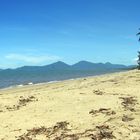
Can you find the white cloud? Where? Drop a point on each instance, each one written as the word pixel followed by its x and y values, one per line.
pixel 134 60
pixel 33 59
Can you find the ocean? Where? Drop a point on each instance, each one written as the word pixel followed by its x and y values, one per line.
pixel 10 78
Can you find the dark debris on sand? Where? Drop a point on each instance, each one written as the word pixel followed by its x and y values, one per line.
pixel 98 92
pixel 128 103
pixel 104 132
pixel 106 111
pixel 22 102
pixel 61 132
pixel 127 118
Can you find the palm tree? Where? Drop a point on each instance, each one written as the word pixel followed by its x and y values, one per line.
pixel 138 34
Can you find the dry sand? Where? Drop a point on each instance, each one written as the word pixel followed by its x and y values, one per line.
pixel 103 107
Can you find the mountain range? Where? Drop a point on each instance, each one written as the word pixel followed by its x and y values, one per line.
pixel 55 72
pixel 82 65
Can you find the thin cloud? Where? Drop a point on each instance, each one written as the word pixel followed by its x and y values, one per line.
pixel 130 37
pixel 134 60
pixel 33 59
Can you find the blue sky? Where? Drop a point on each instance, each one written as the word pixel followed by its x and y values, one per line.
pixel 39 32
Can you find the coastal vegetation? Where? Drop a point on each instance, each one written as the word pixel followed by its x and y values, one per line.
pixel 138 52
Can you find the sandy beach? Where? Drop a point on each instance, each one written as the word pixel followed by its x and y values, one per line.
pixel 93 108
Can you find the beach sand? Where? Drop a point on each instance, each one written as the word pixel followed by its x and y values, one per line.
pixel 102 107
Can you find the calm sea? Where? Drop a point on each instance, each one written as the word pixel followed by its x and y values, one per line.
pixel 12 78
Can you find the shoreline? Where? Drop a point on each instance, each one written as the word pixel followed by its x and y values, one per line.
pixel 57 81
